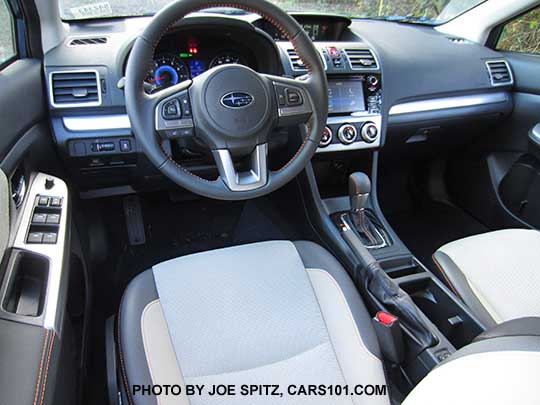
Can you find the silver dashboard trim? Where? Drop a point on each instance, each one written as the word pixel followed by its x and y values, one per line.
pixel 97 122
pixel 444 103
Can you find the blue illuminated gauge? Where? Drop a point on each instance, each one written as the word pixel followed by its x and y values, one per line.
pixel 167 71
pixel 226 59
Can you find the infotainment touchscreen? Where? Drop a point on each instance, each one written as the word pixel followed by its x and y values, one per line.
pixel 345 96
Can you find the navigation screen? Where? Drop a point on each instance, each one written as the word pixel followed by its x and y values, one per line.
pixel 345 96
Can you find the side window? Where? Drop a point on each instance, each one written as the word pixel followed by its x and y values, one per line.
pixel 522 34
pixel 8 47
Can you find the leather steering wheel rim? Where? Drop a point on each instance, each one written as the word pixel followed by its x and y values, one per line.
pixel 142 108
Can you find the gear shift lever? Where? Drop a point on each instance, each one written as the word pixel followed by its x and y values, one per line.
pixel 365 224
pixel 359 190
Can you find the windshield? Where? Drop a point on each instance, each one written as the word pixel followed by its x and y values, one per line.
pixel 414 11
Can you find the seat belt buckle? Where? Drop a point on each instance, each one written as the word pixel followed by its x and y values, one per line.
pixel 388 330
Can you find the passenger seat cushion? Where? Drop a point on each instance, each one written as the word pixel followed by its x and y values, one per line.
pixel 496 274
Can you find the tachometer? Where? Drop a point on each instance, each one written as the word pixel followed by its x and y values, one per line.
pixel 226 59
pixel 168 70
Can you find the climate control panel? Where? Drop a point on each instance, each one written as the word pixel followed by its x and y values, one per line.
pixel 353 132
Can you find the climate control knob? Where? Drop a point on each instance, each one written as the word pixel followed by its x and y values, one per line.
pixel 373 80
pixel 326 138
pixel 347 134
pixel 369 132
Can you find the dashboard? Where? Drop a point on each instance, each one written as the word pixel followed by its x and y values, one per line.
pixel 384 87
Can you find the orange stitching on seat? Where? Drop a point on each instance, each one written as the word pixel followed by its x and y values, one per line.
pixel 446 277
pixel 41 365
pixel 121 358
pixel 47 369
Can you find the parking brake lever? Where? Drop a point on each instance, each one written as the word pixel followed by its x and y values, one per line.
pixel 389 294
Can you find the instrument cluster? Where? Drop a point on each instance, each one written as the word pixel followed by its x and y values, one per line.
pixel 178 59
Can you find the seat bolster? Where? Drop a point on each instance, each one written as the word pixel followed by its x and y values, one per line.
pixel 461 287
pixel 316 257
pixel 133 363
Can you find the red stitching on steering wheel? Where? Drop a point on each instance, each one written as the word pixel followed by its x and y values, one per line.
pixel 279 26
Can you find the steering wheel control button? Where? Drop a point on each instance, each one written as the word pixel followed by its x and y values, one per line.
pixel 369 132
pixel 326 138
pixel 185 106
pixel 171 110
pixel 294 97
pixel 178 133
pixel 347 134
pixel 280 93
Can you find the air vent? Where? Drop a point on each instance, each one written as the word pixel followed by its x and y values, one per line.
pixel 88 41
pixel 361 59
pixel 78 88
pixel 499 73
pixel 297 64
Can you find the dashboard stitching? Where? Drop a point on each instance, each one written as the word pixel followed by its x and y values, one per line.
pixel 279 26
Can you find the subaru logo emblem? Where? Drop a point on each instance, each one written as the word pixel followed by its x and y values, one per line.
pixel 237 99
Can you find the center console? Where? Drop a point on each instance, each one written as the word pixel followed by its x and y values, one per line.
pixel 429 323
pixel 354 94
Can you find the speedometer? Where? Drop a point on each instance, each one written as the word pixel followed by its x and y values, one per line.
pixel 167 71
pixel 226 59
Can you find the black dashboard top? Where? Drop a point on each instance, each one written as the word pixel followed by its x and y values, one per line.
pixel 415 61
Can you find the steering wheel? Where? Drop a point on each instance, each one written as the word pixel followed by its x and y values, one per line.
pixel 230 108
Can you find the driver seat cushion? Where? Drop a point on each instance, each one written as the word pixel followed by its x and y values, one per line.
pixel 495 274
pixel 267 313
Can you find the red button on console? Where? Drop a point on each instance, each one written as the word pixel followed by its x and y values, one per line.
pixel 385 318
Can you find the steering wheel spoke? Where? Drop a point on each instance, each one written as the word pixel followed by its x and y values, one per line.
pixel 231 109
pixel 256 175
pixel 173 116
pixel 293 99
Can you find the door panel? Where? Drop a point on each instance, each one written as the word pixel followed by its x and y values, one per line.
pixel 22 102
pixel 35 339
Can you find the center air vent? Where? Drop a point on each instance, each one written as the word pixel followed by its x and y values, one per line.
pixel 75 89
pixel 499 73
pixel 297 63
pixel 88 41
pixel 361 59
